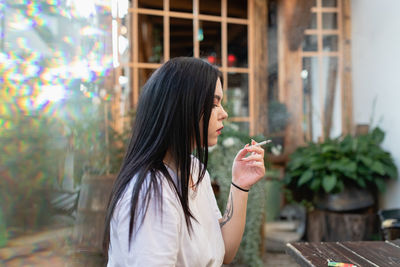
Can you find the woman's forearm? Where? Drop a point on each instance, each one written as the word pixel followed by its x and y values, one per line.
pixel 233 222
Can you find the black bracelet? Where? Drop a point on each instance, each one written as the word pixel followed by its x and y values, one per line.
pixel 238 187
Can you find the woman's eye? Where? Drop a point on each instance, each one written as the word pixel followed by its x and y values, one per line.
pixel 215 105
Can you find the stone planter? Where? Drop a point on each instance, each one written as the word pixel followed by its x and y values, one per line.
pixel 340 226
pixel 346 216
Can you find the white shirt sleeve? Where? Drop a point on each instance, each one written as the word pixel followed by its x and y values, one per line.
pixel 156 241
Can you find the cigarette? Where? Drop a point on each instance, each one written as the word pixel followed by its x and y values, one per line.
pixel 263 143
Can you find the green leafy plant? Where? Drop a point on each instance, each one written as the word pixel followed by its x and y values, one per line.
pixel 29 170
pixel 220 167
pixel 330 166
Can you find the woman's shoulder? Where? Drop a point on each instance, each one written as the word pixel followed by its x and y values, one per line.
pixel 157 179
pixel 152 183
pixel 150 206
pixel 196 161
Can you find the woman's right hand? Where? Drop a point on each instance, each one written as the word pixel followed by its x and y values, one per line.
pixel 247 171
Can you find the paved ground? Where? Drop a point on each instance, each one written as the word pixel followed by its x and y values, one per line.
pixel 53 259
pixel 36 255
pixel 278 260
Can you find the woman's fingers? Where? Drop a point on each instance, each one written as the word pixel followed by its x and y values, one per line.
pixel 257 163
pixel 256 152
pixel 255 149
pixel 241 154
pixel 254 157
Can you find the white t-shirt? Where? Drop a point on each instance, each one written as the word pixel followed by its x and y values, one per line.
pixel 167 242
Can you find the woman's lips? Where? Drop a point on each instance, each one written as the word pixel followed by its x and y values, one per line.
pixel 219 130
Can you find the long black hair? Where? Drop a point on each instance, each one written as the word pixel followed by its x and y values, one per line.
pixel 172 103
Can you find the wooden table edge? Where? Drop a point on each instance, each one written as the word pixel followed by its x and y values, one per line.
pixel 390 242
pixel 297 256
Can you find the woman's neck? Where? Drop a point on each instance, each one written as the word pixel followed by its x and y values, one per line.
pixel 170 162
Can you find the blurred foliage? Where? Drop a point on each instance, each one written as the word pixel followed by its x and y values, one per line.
pixel 29 167
pixel 331 166
pixel 35 149
pixel 220 167
pixel 50 128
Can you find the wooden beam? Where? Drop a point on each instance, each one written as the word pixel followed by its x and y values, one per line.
pixel 224 45
pixel 196 44
pixel 260 43
pixel 135 53
pixel 290 83
pixel 250 60
pixel 347 86
pixel 320 73
pixel 166 31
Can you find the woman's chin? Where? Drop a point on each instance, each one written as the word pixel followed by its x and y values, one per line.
pixel 212 143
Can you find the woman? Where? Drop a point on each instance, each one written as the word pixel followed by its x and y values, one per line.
pixel 162 210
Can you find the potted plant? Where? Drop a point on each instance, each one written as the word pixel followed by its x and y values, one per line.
pixel 342 174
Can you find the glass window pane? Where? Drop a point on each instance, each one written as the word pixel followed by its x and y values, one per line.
pixel 329 3
pixel 330 42
pixel 144 75
pixel 313 21
pixel 329 21
pixel 237 45
pixel 238 94
pixel 310 43
pixel 210 7
pixel 152 4
pixel 237 8
pixel 312 128
pixel 273 92
pixel 331 91
pixel 55 93
pixel 210 41
pixel 314 3
pixel 151 39
pixel 181 5
pixel 181 37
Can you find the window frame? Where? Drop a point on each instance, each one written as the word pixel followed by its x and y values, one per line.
pixel 135 65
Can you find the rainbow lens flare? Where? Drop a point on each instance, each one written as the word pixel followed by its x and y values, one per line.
pixel 55 59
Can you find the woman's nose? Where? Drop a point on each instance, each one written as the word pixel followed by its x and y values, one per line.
pixel 224 114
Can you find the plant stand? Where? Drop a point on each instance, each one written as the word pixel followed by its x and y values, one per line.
pixel 92 208
pixel 340 226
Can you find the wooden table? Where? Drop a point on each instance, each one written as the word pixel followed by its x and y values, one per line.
pixel 364 253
